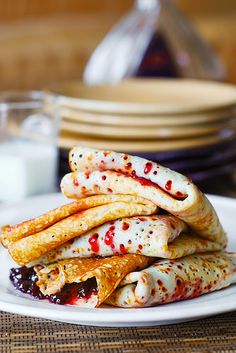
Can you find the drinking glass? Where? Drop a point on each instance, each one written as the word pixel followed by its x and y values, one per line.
pixel 29 126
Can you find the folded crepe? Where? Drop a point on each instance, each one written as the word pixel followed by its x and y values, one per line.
pixel 25 243
pixel 157 235
pixel 104 172
pixel 168 281
pixel 81 282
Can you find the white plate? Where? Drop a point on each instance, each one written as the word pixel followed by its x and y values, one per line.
pixel 209 304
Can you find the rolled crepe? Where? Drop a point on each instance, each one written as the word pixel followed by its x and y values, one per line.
pixel 168 281
pixel 29 248
pixel 108 273
pixel 156 236
pixel 104 172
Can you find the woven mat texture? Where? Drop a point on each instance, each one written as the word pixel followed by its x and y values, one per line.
pixel 20 334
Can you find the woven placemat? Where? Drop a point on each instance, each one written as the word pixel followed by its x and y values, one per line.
pixel 20 334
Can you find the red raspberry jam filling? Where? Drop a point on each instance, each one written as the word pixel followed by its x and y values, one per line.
pixel 24 279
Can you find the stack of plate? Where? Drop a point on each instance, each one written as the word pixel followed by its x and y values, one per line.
pixel 188 125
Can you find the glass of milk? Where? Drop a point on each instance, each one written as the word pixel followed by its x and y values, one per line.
pixel 29 125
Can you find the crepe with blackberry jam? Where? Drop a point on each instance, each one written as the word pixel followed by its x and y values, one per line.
pixel 80 282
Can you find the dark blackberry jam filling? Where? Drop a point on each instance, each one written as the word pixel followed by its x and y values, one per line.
pixel 24 279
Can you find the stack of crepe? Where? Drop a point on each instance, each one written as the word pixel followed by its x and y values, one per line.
pixel 144 233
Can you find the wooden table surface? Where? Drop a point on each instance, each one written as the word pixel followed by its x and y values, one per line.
pixel 20 334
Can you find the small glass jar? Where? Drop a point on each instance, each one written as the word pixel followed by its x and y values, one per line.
pixel 29 127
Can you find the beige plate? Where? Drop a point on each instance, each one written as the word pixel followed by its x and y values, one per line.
pixel 147 96
pixel 135 132
pixel 68 140
pixel 147 120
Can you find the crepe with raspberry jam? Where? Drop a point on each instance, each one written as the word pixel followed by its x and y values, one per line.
pixel 26 244
pixel 157 235
pixel 105 172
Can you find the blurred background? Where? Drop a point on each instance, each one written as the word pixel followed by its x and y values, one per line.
pixel 189 127
pixel 44 42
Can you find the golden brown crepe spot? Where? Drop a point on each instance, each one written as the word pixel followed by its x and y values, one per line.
pixel 139 302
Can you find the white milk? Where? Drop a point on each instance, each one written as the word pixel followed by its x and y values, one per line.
pixel 26 168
